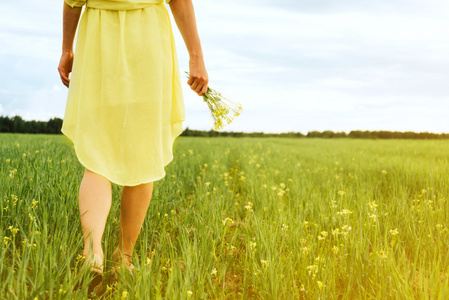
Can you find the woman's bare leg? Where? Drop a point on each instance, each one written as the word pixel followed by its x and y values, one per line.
pixel 133 209
pixel 95 197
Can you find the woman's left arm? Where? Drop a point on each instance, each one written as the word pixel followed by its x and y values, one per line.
pixel 184 16
pixel 71 16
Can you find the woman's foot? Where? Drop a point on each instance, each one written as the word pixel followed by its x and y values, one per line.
pixel 120 263
pixel 94 266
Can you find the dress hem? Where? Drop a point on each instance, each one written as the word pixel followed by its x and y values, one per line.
pixel 177 133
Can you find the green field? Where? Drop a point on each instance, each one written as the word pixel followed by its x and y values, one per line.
pixel 244 218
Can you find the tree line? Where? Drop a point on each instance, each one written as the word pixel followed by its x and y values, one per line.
pixel 17 125
pixel 324 134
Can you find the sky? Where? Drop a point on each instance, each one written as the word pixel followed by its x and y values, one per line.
pixel 293 65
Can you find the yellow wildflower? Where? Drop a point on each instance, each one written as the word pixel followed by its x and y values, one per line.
pixel 252 245
pixel 394 232
pixel 124 295
pixel 265 263
pixel 34 204
pixel 13 230
pixel 227 221
pixel 284 228
pixel 344 212
pixel 335 249
pixel 372 205
pixel 313 269
pixel 148 262
pixel 323 235
pixel 305 250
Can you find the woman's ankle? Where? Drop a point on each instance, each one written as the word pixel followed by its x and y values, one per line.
pixel 86 253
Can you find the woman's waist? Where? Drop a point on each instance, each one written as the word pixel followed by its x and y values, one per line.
pixel 121 4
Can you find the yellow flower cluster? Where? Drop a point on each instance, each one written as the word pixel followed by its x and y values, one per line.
pixel 249 206
pixel 343 232
pixel 305 251
pixel 320 285
pixel 34 204
pixel 227 221
pixel 282 190
pixel 222 109
pixel 252 245
pixel 125 295
pixel 12 173
pixel 394 232
pixel 344 212
pixel 312 270
pixel 13 230
pixel 14 199
pixel 323 235
pixel 382 255
pixel 335 250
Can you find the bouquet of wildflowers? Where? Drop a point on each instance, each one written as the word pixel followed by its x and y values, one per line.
pixel 223 111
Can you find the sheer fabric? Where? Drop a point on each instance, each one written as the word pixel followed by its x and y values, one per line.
pixel 125 106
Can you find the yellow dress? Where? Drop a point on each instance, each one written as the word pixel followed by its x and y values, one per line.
pixel 125 106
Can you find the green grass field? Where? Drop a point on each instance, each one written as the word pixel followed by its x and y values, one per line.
pixel 241 218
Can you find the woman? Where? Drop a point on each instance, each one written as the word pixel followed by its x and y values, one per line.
pixel 124 108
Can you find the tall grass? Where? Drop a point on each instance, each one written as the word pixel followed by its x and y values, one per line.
pixel 269 218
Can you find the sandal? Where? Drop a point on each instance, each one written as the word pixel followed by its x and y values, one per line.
pixel 95 272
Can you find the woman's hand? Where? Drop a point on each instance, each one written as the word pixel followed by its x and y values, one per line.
pixel 65 67
pixel 198 79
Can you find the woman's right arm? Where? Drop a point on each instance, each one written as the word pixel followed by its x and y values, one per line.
pixel 71 17
pixel 184 16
